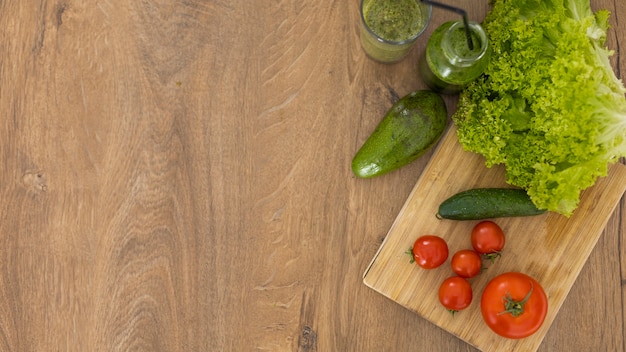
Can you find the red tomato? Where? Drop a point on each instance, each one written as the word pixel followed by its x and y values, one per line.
pixel 429 251
pixel 466 263
pixel 488 239
pixel 514 305
pixel 455 293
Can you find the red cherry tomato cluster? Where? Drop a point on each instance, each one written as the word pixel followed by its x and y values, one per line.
pixel 513 305
pixel 455 292
pixel 430 251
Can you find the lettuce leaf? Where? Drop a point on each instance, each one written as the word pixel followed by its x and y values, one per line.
pixel 549 106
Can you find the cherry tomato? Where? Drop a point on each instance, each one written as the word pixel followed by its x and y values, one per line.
pixel 488 239
pixel 429 251
pixel 514 305
pixel 466 263
pixel 455 293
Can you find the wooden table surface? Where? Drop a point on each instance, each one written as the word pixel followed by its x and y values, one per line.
pixel 175 176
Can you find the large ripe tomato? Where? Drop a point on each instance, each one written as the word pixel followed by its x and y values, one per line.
pixel 466 263
pixel 514 305
pixel 429 251
pixel 488 239
pixel 455 293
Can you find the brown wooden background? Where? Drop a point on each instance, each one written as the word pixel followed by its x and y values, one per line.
pixel 175 176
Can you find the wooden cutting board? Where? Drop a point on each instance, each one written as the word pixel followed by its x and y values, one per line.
pixel 549 247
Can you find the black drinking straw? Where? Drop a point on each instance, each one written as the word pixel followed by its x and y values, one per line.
pixel 461 12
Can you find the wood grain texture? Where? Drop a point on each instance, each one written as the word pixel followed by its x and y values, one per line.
pixel 174 176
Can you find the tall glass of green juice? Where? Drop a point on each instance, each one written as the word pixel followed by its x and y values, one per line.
pixel 389 28
pixel 448 63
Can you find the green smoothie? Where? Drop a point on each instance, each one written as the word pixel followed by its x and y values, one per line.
pixel 390 27
pixel 394 20
pixel 448 63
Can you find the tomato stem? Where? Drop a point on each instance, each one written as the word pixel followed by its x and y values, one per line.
pixel 410 252
pixel 515 308
pixel 492 256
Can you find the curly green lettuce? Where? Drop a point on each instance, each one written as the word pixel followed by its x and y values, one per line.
pixel 549 106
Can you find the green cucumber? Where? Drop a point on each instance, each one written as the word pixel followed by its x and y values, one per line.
pixel 486 203
pixel 409 129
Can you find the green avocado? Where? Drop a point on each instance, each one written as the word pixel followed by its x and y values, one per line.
pixel 409 129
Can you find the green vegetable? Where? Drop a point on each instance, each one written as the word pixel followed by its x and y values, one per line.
pixel 487 203
pixel 549 106
pixel 410 128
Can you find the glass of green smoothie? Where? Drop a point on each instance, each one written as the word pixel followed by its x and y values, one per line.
pixel 389 28
pixel 448 63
